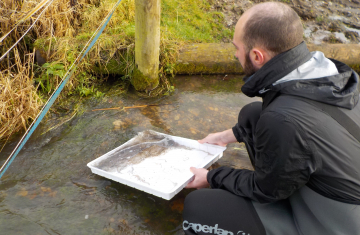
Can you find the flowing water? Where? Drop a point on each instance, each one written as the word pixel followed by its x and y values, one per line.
pixel 48 189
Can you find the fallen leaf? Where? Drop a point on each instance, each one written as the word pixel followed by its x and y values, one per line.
pixel 117 124
pixel 193 130
pixel 53 194
pixel 22 193
pixel 177 205
pixel 173 220
pixel 194 112
pixel 109 230
pixel 123 221
pixel 32 196
pixel 104 144
pixel 45 189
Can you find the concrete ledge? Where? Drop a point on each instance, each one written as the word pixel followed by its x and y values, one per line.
pixel 208 58
pixel 219 58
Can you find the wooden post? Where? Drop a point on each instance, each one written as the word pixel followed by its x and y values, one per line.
pixel 147 44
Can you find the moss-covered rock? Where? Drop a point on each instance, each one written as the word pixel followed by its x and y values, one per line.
pixel 208 58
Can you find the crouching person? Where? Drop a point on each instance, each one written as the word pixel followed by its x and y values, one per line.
pixel 303 140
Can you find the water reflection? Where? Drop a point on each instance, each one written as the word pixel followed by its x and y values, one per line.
pixel 49 190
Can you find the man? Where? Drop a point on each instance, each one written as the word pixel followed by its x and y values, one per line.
pixel 306 177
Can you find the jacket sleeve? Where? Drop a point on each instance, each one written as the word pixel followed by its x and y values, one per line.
pixel 283 162
pixel 237 133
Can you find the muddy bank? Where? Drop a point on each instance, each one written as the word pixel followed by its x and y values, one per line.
pixel 334 21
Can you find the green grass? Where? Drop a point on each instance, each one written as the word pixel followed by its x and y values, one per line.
pixel 192 21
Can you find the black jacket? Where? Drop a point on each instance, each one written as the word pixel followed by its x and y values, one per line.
pixel 297 144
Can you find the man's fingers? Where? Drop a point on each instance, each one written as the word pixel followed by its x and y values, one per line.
pixel 213 138
pixel 189 185
pixel 205 140
pixel 199 178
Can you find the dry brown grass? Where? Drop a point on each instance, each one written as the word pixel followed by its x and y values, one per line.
pixel 19 102
pixel 63 30
pixel 59 29
pixel 59 20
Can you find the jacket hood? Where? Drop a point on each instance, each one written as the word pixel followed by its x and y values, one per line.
pixel 298 72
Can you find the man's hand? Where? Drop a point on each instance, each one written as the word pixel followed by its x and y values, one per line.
pixel 200 180
pixel 219 138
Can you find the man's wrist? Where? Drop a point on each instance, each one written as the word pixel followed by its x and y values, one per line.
pixel 237 133
pixel 223 138
pixel 228 136
pixel 207 178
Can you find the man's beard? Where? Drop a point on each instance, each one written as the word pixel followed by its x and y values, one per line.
pixel 248 67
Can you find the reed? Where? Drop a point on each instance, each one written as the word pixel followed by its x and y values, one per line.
pixel 19 102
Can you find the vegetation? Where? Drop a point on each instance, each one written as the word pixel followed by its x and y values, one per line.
pixel 62 32
pixel 18 99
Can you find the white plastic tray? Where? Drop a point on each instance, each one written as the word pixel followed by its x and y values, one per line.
pixel 164 175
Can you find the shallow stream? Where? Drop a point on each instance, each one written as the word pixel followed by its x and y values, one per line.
pixel 48 189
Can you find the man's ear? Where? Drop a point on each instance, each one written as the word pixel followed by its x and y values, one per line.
pixel 259 57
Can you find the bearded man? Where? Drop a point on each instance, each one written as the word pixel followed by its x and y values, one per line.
pixel 303 140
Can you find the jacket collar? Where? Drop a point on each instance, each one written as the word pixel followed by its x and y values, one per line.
pixel 275 69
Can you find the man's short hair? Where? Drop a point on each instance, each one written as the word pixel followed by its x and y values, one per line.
pixel 273 25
